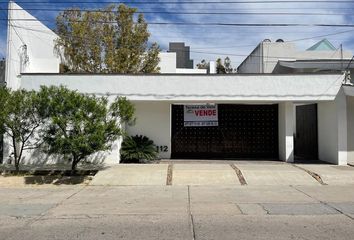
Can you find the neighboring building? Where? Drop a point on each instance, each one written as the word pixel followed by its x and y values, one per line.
pixel 182 53
pixel 168 64
pixel 31 49
pixel 307 116
pixel 177 60
pixel 283 57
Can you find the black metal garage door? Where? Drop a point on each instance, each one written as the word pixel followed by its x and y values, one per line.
pixel 244 131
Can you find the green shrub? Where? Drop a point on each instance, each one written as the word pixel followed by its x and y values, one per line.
pixel 80 125
pixel 137 149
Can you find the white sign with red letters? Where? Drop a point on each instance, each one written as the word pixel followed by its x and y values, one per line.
pixel 201 115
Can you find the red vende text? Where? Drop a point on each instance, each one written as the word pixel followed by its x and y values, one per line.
pixel 205 112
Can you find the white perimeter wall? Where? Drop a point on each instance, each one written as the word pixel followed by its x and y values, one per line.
pixel 332 130
pixel 350 114
pixel 327 132
pixel 153 119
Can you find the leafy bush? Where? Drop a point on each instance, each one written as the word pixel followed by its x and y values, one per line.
pixel 137 149
pixel 20 120
pixel 80 124
pixel 61 121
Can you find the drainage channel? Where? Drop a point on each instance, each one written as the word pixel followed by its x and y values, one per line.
pixel 169 174
pixel 239 174
pixel 312 174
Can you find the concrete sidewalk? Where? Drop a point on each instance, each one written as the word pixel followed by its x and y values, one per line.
pixel 177 212
pixel 233 173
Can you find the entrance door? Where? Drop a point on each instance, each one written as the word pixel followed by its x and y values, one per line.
pixel 243 131
pixel 306 138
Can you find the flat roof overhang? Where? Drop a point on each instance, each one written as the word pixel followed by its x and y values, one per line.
pixel 299 65
pixel 174 87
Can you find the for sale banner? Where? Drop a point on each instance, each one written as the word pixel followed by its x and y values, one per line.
pixel 201 115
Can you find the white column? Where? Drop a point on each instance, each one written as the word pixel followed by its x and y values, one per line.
pixel 286 131
pixel 341 109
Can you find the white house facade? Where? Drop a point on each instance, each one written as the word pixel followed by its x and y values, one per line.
pixel 254 118
pixel 284 117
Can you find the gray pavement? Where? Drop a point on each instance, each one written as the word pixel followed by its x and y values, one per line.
pixel 177 212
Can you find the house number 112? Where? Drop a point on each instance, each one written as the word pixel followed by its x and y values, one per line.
pixel 162 148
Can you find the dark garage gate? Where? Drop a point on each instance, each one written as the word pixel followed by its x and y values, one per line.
pixel 243 132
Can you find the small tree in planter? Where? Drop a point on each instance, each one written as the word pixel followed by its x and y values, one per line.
pixel 20 120
pixel 137 149
pixel 80 125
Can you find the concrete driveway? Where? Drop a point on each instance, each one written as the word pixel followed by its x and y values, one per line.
pixel 223 173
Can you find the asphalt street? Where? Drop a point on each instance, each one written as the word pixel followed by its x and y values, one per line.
pixel 177 212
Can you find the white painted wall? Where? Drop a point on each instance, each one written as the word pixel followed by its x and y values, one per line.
pixel 39 41
pixel 154 121
pixel 38 157
pixel 286 131
pixel 167 62
pixel 341 110
pixel 157 92
pixel 350 112
pixel 327 132
pixel 253 62
pixel 198 87
pixel 191 71
pixel 274 51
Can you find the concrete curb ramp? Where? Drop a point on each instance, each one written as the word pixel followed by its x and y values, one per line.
pixel 243 173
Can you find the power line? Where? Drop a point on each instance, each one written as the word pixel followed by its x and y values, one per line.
pixel 191 13
pixel 199 52
pixel 347 68
pixel 193 2
pixel 208 24
pixel 308 8
pixel 297 40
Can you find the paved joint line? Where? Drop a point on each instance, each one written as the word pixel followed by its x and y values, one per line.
pixel 191 219
pixel 239 174
pixel 312 174
pixel 56 205
pixel 169 174
pixel 41 216
pixel 266 210
pixel 324 203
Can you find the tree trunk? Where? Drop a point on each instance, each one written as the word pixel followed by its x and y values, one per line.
pixel 74 163
pixel 17 167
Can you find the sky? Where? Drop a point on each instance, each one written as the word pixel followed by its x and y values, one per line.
pixel 211 42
